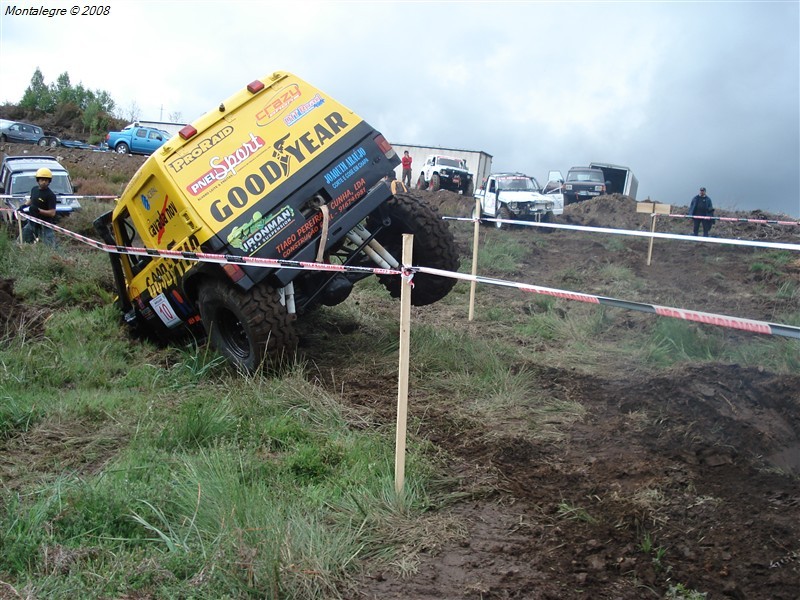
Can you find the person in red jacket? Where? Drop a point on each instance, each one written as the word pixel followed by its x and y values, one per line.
pixel 406 162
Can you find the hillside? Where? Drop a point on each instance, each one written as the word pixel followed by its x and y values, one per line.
pixel 626 456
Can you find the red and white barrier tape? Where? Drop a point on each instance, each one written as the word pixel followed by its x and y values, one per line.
pixel 735 220
pixel 212 258
pixel 646 234
pixel 408 272
pixel 69 197
pixel 664 311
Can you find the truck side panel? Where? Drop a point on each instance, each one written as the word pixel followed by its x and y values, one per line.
pixel 621 178
pixel 249 182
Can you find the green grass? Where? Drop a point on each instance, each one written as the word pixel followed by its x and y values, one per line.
pixel 157 472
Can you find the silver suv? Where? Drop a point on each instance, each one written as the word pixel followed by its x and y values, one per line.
pixel 25 133
pixel 18 177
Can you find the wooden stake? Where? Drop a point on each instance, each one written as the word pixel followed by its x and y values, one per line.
pixel 402 383
pixel 475 241
pixel 652 230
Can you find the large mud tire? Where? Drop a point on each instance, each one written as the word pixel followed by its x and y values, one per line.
pixel 250 328
pixel 421 183
pixel 436 183
pixel 504 214
pixel 434 246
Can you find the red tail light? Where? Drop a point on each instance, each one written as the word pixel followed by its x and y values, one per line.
pixel 255 86
pixel 384 146
pixel 187 132
pixel 235 272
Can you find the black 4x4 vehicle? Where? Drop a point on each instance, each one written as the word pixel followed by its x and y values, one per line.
pixel 280 171
pixel 583 183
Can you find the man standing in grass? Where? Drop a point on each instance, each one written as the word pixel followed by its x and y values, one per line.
pixel 701 207
pixel 42 205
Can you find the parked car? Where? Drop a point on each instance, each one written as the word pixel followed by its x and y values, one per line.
pixel 583 183
pixel 137 140
pixel 25 133
pixel 519 197
pixel 18 178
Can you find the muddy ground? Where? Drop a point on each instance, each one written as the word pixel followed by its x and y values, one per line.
pixel 701 460
pixel 684 479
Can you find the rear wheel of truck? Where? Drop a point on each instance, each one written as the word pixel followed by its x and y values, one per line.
pixel 435 182
pixel 434 247
pixel 121 148
pixel 503 213
pixel 421 184
pixel 248 328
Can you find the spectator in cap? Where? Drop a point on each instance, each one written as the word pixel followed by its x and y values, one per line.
pixel 701 207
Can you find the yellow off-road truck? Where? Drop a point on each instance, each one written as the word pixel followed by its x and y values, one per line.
pixel 282 171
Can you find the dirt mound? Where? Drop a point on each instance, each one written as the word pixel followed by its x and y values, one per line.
pixel 617 211
pixel 15 317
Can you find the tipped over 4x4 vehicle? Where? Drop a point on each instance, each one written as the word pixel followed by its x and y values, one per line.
pixel 279 171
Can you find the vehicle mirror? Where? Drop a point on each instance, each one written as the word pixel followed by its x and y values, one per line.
pixel 75 187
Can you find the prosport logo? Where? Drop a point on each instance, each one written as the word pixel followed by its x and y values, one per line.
pixel 277 103
pixel 222 166
pixel 201 148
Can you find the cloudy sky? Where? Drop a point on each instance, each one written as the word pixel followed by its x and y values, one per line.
pixel 684 93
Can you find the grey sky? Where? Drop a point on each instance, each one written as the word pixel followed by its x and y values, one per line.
pixel 684 93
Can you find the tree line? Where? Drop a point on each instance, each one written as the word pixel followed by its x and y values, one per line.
pixel 68 103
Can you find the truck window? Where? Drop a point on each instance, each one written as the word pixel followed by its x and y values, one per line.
pixel 131 238
pixel 141 133
pixel 450 162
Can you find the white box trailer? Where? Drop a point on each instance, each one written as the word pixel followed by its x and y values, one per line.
pixel 478 163
pixel 622 179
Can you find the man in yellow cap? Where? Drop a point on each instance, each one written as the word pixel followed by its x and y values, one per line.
pixel 42 205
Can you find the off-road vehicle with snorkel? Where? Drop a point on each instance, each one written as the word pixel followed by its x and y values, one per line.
pixel 279 171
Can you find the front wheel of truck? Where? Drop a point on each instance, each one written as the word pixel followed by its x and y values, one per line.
pixel 434 246
pixel 248 328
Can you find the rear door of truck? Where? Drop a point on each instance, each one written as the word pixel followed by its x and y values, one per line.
pixel 256 170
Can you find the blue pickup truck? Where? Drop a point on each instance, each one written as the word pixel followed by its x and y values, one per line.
pixel 136 140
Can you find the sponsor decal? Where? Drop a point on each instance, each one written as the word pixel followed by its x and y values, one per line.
pixel 301 237
pixel 201 148
pixel 166 273
pixel 156 227
pixel 162 308
pixel 279 166
pixel 277 103
pixel 146 197
pixel 346 168
pixel 349 197
pixel 312 227
pixel 302 110
pixel 260 230
pixel 223 166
